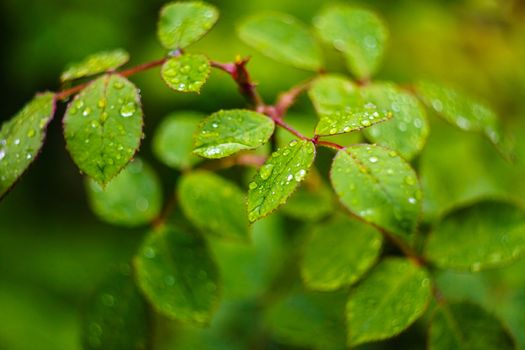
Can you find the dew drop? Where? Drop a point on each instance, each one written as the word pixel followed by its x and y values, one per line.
pixel 409 180
pixel 17 142
pixel 365 122
pixel 86 112
pixel 101 103
pixel 289 177
pixel 149 253
pixel 252 185
pixel 373 159
pixel 266 171
pixel 292 143
pixel 412 200
pixel 118 85
pixel 347 129
pixel 169 280
pixel 299 176
pixel 2 154
pixel 128 109
pixel 31 133
pixel 332 131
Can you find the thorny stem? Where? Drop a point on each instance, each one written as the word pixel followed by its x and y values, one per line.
pixel 237 70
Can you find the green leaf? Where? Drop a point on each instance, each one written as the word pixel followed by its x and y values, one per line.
pixel 178 276
pixel 22 137
pixel 103 127
pixel 341 107
pixel 465 326
pixel 186 73
pixel 487 234
pixel 94 64
pixel 248 270
pixel 214 205
pixel 132 198
pixel 358 33
pixel 227 132
pixel 283 38
pixel 183 23
pixel 308 319
pixel 117 317
pixel 338 253
pixel 461 110
pixel 173 139
pixel 408 130
pixel 278 178
pixel 312 201
pixel 388 301
pixel 377 185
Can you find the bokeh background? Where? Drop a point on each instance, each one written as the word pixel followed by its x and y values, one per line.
pixel 54 251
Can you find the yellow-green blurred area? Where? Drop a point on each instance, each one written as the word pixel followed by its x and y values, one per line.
pixel 54 251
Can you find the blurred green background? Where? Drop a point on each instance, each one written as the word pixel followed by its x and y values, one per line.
pixel 54 251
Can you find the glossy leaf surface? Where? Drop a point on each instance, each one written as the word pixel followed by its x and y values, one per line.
pixel 377 185
pixel 94 64
pixel 278 178
pixel 22 137
pixel 186 73
pixel 229 131
pixel 103 127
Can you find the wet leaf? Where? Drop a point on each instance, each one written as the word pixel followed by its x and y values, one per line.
pixel 22 137
pixel 94 64
pixel 214 205
pixel 186 73
pixel 341 107
pixel 132 198
pixel 278 178
pixel 358 33
pixel 178 276
pixel 407 131
pixel 467 327
pixel 103 127
pixel 338 253
pixel 486 234
pixel 283 38
pixel 377 185
pixel 117 317
pixel 173 139
pixel 183 23
pixel 308 319
pixel 227 132
pixel 387 302
pixel 461 110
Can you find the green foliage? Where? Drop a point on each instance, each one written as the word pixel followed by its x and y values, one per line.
pixel 213 204
pixel 394 295
pixel 308 319
pixel 103 127
pixel 178 276
pixel 173 140
pixel 278 178
pixel 117 316
pixel 283 38
pixel 486 234
pixel 186 73
pixel 358 33
pixel 338 253
pixel 132 198
pixel 377 185
pixel 341 106
pixel 21 138
pixel 461 110
pixel 94 64
pixel 407 131
pixel 467 327
pixel 227 132
pixel 334 266
pixel 183 23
